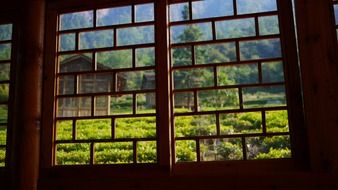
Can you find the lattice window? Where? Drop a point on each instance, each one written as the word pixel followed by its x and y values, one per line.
pixel 228 81
pixel 5 82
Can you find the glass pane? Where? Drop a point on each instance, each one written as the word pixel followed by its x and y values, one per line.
pixel 5 32
pixel 136 80
pixel 139 127
pixel 95 83
pixel 144 12
pixel 336 13
pixel 66 85
pixel 64 130
pixel 255 97
pixel 3 134
pixel 4 92
pixel 260 49
pixel 113 16
pixel 181 56
pixel 96 39
pixel 268 147
pixel 135 35
pixel 146 152
pixel 277 121
pixel 72 154
pixel 184 102
pixel 198 125
pixel 93 129
pixel 218 99
pixel 76 20
pixel 268 25
pixel 121 105
pixel 4 71
pixel 237 74
pixel 179 12
pixel 145 103
pixel 75 62
pixel 145 57
pixel 67 42
pixel 2 157
pixel 272 72
pixel 3 113
pixel 191 33
pixel 255 6
pixel 215 53
pixel 193 78
pixel 241 123
pixel 185 151
pixel 73 107
pixel 5 51
pixel 113 153
pixel 212 8
pixel 237 28
pixel 221 149
pixel 114 59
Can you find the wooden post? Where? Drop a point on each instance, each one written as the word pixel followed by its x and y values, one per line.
pixel 319 70
pixel 28 95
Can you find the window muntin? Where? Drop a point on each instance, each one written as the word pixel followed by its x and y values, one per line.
pixel 228 82
pixel 5 80
pixel 106 98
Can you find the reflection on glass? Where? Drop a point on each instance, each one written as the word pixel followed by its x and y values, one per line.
pixel 93 129
pixel 237 74
pixel 139 127
pixel 221 149
pixel 260 49
pixel 146 103
pixel 94 83
pixel 198 125
pixel 181 56
pixel 74 106
pixel 277 121
pixel 193 78
pixel 113 16
pixel 114 59
pixel 190 33
pixel 64 130
pixel 4 92
pixel 72 154
pixel 270 96
pixel 4 71
pixel 135 80
pixel 255 6
pixel 135 35
pixel 5 32
pixel 212 8
pixel 268 25
pixel 272 72
pixel 66 85
pixel 113 153
pixel 268 147
pixel 237 28
pixel 75 62
pixel 184 102
pixel 76 20
pixel 241 123
pixel 3 134
pixel 96 39
pixel 215 53
pixel 179 12
pixel 145 57
pixel 67 42
pixel 226 99
pixel 5 51
pixel 185 151
pixel 3 113
pixel 146 152
pixel 144 12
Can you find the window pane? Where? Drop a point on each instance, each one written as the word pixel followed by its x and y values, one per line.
pixel 191 33
pixel 135 35
pixel 64 130
pixel 255 6
pixel 72 107
pixel 4 92
pixel 181 56
pixel 93 129
pixel 146 152
pixel 114 59
pixel 3 113
pixel 113 153
pixel 140 127
pixel 96 39
pixel 336 13
pixel 72 154
pixel 95 83
pixel 76 20
pixel 145 103
pixel 268 25
pixel 66 85
pixel 2 157
pixel 271 96
pixel 145 57
pixel 215 53
pixel 193 78
pixel 184 102
pixel 260 49
pixel 67 42
pixel 75 62
pixel 144 12
pixel 113 16
pixel 241 123
pixel 237 74
pixel 136 80
pixel 198 125
pixel 221 149
pixel 3 134
pixel 4 71
pixel 277 121
pixel 5 32
pixel 272 72
pixel 185 151
pixel 114 105
pixel 218 99
pixel 237 28
pixel 5 51
pixel 179 12
pixel 212 8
